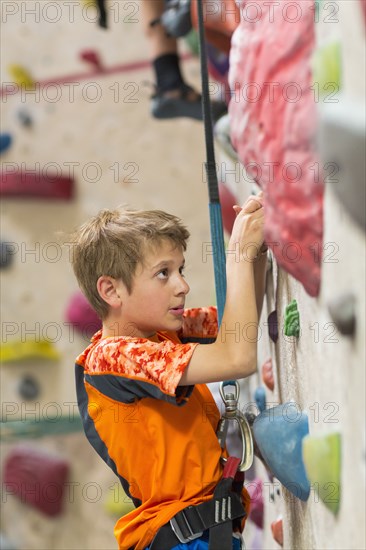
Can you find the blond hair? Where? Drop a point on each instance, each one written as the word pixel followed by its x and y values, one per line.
pixel 114 243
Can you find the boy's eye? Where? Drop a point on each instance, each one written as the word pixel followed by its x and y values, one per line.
pixel 163 274
pixel 181 270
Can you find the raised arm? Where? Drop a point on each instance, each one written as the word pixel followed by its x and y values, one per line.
pixel 234 353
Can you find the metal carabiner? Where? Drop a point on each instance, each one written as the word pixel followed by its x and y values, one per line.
pixel 233 414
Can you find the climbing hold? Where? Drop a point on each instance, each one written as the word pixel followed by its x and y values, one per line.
pixel 342 312
pixel 326 65
pixel 92 57
pixel 267 374
pixel 279 432
pixel 260 398
pixel 262 135
pixel 117 503
pixel 277 530
pixel 5 142
pixel 227 200
pixel 20 183
pixel 363 5
pixel 273 326
pixel 37 478
pixel 28 428
pixel 82 316
pixel 19 350
pixel 255 490
pixel 192 42
pixel 292 320
pixel 29 388
pixel 222 135
pixel 21 76
pixel 6 254
pixel 342 144
pixel 24 118
pixel 322 459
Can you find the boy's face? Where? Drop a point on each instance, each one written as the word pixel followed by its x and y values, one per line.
pixel 158 293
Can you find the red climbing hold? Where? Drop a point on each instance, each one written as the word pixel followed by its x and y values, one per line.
pixel 37 478
pixel 277 530
pixel 363 5
pixel 92 57
pixel 273 119
pixel 267 374
pixel 23 184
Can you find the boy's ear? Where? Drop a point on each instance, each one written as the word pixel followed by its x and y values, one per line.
pixel 108 290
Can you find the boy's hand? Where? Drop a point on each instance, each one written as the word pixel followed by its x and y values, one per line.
pixel 248 227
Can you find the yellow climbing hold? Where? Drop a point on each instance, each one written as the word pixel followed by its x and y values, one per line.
pixel 88 3
pixel 21 351
pixel 327 69
pixel 322 460
pixel 21 76
pixel 117 502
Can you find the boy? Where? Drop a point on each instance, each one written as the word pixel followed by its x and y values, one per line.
pixel 141 392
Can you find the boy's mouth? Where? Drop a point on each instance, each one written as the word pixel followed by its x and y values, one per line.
pixel 179 310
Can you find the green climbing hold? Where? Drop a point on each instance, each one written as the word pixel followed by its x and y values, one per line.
pixel 192 41
pixel 327 69
pixel 28 428
pixel 322 459
pixel 292 320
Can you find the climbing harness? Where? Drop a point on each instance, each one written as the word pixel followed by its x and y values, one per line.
pixel 233 414
pixel 215 515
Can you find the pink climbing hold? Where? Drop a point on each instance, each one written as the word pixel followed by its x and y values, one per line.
pixel 273 129
pixel 92 57
pixel 363 6
pixel 255 490
pixel 23 184
pixel 227 200
pixel 267 374
pixel 277 530
pixel 82 316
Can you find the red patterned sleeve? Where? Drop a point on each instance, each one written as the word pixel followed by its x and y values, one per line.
pixel 160 364
pixel 199 323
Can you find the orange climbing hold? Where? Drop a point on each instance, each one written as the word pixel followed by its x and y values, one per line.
pixel 267 374
pixel 277 530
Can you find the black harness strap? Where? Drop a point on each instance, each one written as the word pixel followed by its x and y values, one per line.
pixel 216 516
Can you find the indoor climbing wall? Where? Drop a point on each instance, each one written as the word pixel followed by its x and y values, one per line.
pixel 76 136
pixel 297 119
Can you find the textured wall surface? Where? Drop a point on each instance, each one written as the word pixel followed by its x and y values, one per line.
pixel 150 164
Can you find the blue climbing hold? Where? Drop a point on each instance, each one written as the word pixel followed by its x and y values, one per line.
pixel 5 142
pixel 279 432
pixel 260 398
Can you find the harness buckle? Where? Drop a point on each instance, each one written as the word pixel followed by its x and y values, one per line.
pixel 177 529
pixel 232 414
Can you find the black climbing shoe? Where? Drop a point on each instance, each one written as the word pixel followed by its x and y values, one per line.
pixel 164 106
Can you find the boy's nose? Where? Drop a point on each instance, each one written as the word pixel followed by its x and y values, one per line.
pixel 182 286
